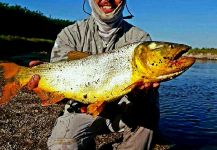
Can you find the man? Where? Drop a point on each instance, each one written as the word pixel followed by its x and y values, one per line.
pixel 136 114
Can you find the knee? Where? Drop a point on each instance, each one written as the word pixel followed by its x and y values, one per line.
pixel 62 144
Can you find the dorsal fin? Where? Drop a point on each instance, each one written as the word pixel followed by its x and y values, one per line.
pixel 73 55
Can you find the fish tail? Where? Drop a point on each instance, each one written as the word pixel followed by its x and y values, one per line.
pixel 9 86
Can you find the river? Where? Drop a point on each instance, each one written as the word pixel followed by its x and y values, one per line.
pixel 188 106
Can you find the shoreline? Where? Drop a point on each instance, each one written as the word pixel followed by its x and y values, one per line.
pixel 202 56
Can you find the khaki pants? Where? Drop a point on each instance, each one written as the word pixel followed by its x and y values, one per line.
pixel 74 131
pixel 71 133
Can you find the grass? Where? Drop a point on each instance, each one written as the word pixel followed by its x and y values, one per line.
pixel 17 38
pixel 22 50
pixel 12 45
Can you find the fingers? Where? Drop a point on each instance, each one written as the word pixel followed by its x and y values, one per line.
pixel 147 86
pixel 156 85
pixel 35 63
pixel 33 82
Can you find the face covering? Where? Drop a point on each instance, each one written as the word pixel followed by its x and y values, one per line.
pixel 110 17
pixel 108 24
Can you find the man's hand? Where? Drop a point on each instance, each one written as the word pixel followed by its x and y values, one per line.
pixel 33 82
pixel 148 86
pixel 35 63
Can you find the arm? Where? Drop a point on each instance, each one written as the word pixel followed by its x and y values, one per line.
pixel 64 43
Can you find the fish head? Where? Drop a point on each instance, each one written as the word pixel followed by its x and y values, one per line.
pixel 159 61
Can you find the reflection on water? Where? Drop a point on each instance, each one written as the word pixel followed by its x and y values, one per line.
pixel 189 108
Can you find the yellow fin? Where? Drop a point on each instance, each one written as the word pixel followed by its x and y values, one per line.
pixel 132 86
pixel 11 86
pixel 9 91
pixel 9 70
pixel 73 55
pixel 48 98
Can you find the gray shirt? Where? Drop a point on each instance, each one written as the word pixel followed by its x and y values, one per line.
pixel 83 36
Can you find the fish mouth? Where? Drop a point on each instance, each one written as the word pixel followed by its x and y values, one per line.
pixel 181 52
pixel 179 58
pixel 178 64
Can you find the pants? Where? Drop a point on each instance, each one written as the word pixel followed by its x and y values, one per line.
pixel 74 131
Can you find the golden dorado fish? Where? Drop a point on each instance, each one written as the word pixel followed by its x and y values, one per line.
pixel 99 78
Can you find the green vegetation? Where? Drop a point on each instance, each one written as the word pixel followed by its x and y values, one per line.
pixel 19 21
pixel 22 50
pixel 14 38
pixel 27 35
pixel 203 51
pixel 18 45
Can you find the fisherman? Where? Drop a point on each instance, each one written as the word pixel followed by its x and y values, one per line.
pixel 135 115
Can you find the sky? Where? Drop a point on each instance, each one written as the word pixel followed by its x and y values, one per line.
pixel 192 22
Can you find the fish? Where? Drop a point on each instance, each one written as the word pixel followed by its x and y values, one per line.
pixel 100 78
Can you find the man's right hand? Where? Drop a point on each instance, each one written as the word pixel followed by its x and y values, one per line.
pixel 33 82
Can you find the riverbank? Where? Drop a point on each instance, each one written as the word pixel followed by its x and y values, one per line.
pixel 203 53
pixel 204 56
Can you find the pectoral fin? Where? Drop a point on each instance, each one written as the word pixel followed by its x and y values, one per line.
pixel 73 55
pixel 10 87
pixel 48 98
pixel 9 91
pixel 96 108
pixel 132 86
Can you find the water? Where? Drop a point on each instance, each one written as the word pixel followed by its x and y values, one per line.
pixel 188 108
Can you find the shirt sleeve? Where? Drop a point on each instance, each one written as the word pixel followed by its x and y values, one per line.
pixel 132 34
pixel 146 37
pixel 140 35
pixel 64 43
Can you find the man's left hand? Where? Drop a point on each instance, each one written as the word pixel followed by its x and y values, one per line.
pixel 147 86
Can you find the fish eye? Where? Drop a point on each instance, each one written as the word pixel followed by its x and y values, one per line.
pixel 152 45
pixel 155 46
pixel 171 46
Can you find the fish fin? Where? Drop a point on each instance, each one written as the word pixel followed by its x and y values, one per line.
pixel 132 86
pixel 95 108
pixel 9 90
pixel 48 98
pixel 10 85
pixel 73 55
pixel 9 70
